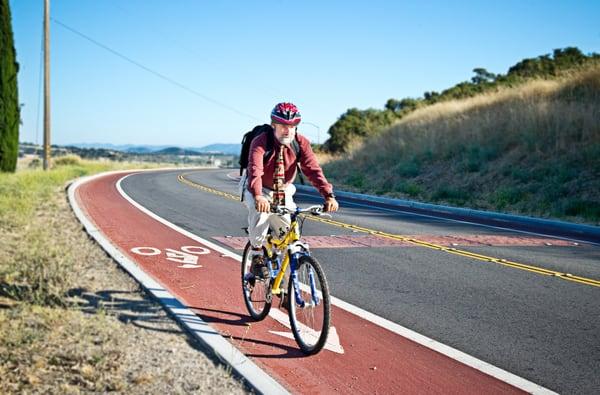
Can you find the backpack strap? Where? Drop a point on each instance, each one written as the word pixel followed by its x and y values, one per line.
pixel 270 142
pixel 296 147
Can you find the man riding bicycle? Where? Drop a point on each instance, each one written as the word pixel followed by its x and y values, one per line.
pixel 270 180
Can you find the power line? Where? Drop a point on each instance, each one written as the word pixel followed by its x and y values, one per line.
pixel 155 73
pixel 158 28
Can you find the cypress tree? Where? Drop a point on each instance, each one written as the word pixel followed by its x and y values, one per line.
pixel 9 97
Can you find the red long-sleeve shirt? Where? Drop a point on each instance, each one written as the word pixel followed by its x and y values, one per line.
pixel 260 170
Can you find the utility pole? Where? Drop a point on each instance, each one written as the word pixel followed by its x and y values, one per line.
pixel 46 84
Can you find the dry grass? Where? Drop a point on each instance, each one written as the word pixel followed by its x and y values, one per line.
pixel 43 344
pixel 36 250
pixel 68 315
pixel 57 350
pixel 549 114
pixel 534 149
pixel 324 157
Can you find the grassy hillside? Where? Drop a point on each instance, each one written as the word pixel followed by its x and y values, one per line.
pixel 355 125
pixel 532 149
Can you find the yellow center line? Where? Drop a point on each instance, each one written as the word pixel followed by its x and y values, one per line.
pixel 420 243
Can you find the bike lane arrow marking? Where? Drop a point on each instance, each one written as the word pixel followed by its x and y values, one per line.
pixel 333 340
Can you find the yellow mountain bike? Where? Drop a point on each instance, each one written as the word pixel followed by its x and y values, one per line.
pixel 307 294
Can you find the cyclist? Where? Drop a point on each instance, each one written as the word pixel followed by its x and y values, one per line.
pixel 270 180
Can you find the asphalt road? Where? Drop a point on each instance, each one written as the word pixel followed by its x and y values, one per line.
pixel 541 328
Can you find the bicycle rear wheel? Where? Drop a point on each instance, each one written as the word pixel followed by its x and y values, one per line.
pixel 309 305
pixel 256 291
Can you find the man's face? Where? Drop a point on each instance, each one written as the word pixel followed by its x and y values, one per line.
pixel 284 133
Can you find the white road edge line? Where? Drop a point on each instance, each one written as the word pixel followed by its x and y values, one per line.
pixel 441 348
pixel 197 327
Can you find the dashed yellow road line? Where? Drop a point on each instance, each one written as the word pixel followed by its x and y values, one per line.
pixel 450 250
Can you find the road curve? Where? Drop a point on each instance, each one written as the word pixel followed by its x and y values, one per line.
pixel 539 327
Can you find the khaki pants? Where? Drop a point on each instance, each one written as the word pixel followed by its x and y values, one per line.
pixel 259 223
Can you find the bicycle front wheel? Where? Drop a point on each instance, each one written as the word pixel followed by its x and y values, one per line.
pixel 256 291
pixel 309 305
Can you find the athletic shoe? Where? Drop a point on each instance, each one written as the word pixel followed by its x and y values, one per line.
pixel 258 268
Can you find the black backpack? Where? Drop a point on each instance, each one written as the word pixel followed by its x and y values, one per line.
pixel 258 130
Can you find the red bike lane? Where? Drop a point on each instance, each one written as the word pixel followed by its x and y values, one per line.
pixel 373 360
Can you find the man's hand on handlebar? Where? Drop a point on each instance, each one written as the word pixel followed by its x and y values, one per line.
pixel 330 205
pixel 262 204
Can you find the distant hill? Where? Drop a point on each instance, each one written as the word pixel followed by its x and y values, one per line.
pixel 139 150
pixel 228 149
pixel 176 151
pixel 231 149
pixel 130 148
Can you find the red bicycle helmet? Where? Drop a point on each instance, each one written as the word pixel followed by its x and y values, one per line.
pixel 286 113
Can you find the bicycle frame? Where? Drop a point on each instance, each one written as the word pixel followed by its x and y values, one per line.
pixel 292 249
pixel 282 246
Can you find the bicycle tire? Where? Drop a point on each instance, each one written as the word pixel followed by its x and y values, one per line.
pixel 258 300
pixel 310 331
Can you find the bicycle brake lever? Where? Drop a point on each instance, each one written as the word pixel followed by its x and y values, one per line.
pixel 317 210
pixel 279 210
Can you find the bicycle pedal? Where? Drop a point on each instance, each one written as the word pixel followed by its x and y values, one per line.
pixel 265 272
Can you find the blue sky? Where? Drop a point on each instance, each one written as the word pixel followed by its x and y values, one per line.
pixel 325 56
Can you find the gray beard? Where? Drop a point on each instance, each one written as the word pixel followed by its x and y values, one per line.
pixel 285 140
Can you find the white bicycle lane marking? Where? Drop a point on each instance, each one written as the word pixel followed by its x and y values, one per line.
pixel 187 255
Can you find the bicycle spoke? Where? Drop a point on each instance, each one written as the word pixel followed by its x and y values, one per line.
pixel 256 292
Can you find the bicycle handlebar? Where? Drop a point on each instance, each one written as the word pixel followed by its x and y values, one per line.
pixel 313 210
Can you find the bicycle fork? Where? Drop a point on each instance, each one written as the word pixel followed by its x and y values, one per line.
pixel 311 278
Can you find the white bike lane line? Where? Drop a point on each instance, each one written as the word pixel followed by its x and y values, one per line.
pixel 382 322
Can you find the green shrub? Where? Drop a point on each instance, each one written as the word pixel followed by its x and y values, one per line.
pixel 518 174
pixel 585 209
pixel 408 169
pixel 356 180
pixel 409 188
pixel 67 160
pixel 565 173
pixel 35 163
pixel 507 196
pixel 452 195
pixel 582 208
